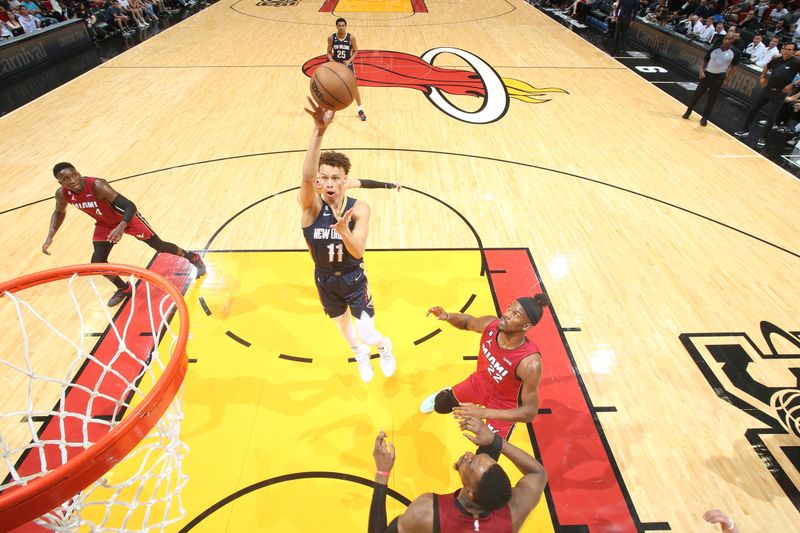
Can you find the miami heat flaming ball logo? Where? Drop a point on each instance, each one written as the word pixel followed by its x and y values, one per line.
pixel 383 68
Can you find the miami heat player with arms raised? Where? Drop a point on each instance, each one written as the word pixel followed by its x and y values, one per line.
pixel 509 367
pixel 114 216
pixel 342 48
pixel 335 228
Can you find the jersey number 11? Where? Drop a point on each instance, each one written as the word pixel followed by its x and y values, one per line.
pixel 337 249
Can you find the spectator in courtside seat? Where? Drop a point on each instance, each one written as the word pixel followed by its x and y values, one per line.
pixel 771 52
pixel 28 22
pixel 755 49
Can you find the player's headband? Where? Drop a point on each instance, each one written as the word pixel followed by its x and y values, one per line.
pixel 532 309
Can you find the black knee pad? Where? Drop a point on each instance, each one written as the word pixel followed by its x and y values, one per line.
pixel 445 402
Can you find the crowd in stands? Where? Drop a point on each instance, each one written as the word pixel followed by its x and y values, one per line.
pixel 760 29
pixel 103 18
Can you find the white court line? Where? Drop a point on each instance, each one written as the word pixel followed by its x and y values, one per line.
pixel 665 82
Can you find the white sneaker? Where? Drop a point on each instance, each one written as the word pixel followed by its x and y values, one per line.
pixel 427 405
pixel 387 361
pixel 364 366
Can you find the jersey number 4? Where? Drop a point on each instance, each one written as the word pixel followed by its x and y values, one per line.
pixel 335 253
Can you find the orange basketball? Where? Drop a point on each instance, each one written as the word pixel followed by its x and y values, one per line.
pixel 333 86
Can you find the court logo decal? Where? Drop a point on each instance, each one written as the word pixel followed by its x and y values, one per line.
pixel 765 384
pixel 384 68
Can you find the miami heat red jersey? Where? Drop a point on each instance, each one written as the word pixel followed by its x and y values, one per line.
pixel 101 210
pixel 454 519
pixel 498 367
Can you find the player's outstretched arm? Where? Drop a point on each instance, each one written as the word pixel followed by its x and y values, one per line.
pixel 322 119
pixel 461 320
pixel 528 490
pixel 355 183
pixel 56 219
pixel 418 518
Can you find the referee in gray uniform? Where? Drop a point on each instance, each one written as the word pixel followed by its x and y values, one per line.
pixel 714 74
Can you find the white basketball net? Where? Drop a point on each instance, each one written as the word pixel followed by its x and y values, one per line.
pixel 72 371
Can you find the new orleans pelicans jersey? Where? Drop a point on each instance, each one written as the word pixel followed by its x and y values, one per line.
pixel 342 49
pixel 325 243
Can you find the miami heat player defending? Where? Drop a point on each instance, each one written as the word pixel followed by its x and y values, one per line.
pixel 335 228
pixel 342 48
pixel 114 216
pixel 486 501
pixel 507 362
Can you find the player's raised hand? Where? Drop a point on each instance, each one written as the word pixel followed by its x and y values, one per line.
pixel 383 453
pixel 46 246
pixel 466 409
pixel 438 312
pixel 715 516
pixel 342 225
pixel 475 430
pixel 322 117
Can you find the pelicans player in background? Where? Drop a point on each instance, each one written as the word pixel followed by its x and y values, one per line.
pixel 342 48
pixel 335 228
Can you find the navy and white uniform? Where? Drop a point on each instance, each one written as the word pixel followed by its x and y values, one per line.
pixel 340 277
pixel 343 50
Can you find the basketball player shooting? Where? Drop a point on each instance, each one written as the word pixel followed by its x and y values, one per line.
pixel 509 367
pixel 335 228
pixel 114 216
pixel 342 48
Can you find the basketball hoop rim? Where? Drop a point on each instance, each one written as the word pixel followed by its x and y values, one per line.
pixel 20 505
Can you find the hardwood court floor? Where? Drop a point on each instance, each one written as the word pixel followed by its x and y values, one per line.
pixel 667 250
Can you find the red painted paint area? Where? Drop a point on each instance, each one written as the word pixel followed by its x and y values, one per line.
pixel 328 6
pixel 417 5
pixel 582 481
pixel 93 377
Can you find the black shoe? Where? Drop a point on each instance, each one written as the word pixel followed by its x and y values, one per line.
pixel 687 114
pixel 761 143
pixel 362 116
pixel 197 261
pixel 741 133
pixel 703 122
pixel 120 295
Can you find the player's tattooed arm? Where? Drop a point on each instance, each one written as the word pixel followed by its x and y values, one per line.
pixel 462 320
pixel 56 219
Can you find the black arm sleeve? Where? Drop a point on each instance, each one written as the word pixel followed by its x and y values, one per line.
pixel 127 207
pixel 372 184
pixel 377 510
pixel 493 449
